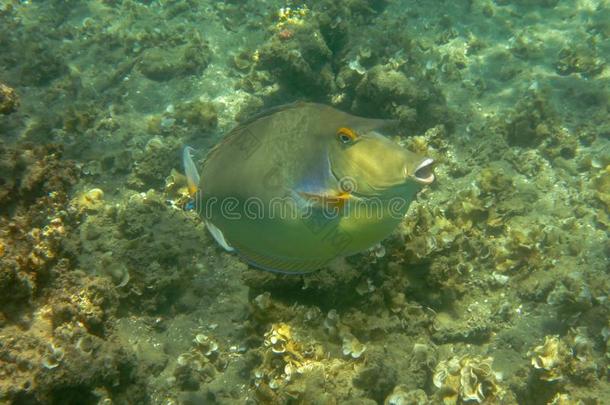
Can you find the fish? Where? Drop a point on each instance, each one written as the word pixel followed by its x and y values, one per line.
pixel 297 186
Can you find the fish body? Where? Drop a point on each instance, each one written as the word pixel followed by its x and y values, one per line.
pixel 302 184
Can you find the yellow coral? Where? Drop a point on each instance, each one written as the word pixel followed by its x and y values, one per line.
pixel 283 360
pixel 288 16
pixel 279 339
pixel 90 200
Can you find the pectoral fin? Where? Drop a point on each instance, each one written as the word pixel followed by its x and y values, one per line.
pixel 335 202
pixel 190 170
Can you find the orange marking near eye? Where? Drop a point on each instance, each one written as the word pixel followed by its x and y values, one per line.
pixel 348 132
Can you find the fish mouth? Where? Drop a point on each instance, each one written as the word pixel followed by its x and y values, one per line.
pixel 423 173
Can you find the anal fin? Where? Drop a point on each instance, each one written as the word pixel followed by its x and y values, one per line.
pixel 218 236
pixel 280 264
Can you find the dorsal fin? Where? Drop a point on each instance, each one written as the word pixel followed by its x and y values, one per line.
pixel 241 128
pixel 271 110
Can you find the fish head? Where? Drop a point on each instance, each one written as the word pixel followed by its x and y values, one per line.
pixel 369 164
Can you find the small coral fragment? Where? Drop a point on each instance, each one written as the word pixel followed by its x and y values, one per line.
pixel 402 396
pixel 467 379
pixel 551 358
pixel 8 99
pixel 352 347
pixel 90 200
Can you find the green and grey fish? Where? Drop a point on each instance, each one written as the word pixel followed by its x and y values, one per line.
pixel 302 184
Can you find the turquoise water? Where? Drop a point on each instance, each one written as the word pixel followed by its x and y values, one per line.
pixel 493 289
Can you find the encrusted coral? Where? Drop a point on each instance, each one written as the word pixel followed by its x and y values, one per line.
pixel 564 399
pixel 402 396
pixel 467 379
pixel 153 163
pixel 199 364
pixel 601 184
pixel 284 358
pixel 89 200
pixel 35 218
pixel 352 347
pixel 8 99
pixel 163 63
pixel 579 59
pixel 551 358
pixel 297 55
pixel 388 90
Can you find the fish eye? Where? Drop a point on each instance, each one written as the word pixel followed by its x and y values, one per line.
pixel 346 135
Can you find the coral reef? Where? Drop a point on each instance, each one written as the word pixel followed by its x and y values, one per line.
pixel 297 54
pixel 164 63
pixel 387 91
pixel 154 162
pixel 54 318
pixel 34 194
pixel 493 289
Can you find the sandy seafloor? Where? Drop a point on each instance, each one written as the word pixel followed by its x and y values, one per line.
pixel 493 290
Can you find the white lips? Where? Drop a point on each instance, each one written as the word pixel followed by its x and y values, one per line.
pixel 428 179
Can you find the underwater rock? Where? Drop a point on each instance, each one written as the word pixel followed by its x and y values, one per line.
pixel 532 122
pixel 570 295
pixel 387 91
pixel 476 325
pixel 165 63
pixel 565 364
pixel 33 369
pixel 198 113
pixel 298 56
pixel 30 172
pixel 131 243
pixel 376 378
pixel 601 185
pixel 8 99
pixel 65 343
pixel 40 64
pixel 35 218
pixel 154 162
pixel 89 300
pixel 390 90
pixel 264 309
pixel 579 59
pixel 200 364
